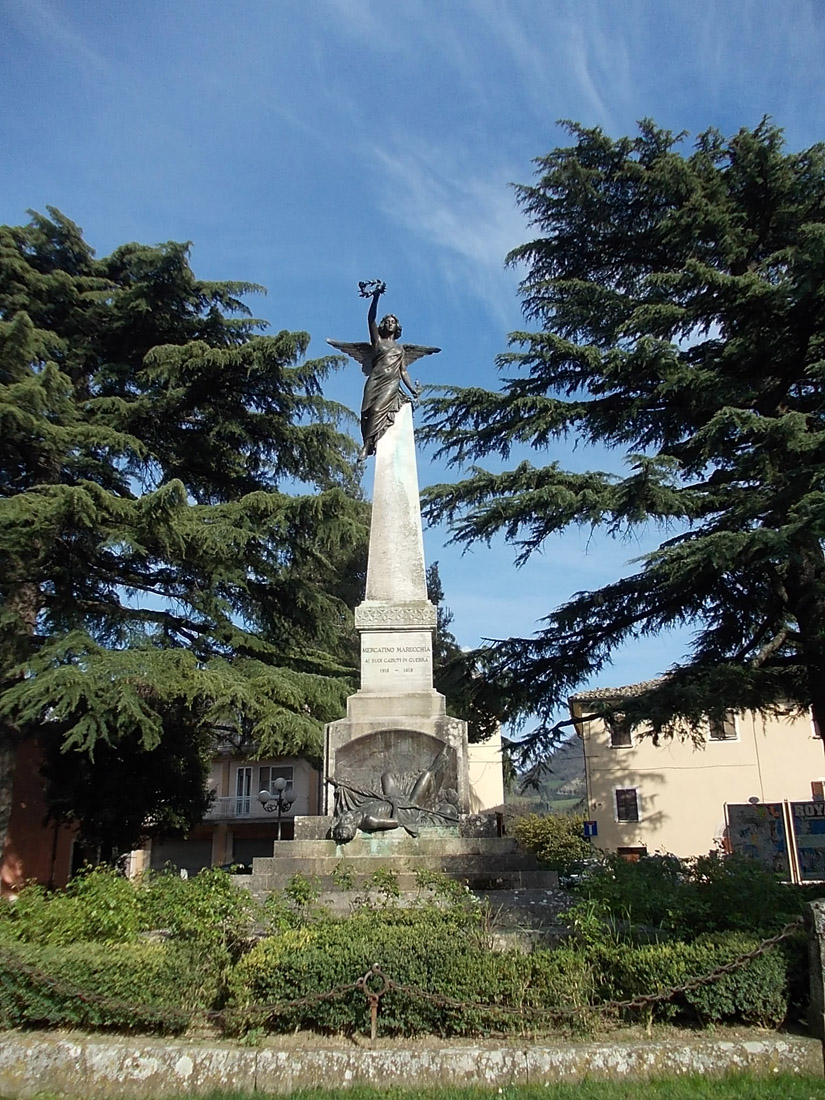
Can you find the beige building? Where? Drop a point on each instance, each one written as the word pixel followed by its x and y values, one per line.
pixel 671 796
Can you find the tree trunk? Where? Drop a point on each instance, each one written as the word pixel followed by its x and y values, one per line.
pixel 806 588
pixel 25 599
pixel 8 761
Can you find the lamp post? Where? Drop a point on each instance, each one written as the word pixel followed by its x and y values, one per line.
pixel 279 798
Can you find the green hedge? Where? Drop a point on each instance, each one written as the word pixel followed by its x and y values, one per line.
pixel 412 949
pixel 757 993
pixel 101 906
pixel 686 897
pixel 146 986
pixel 48 978
pixel 301 962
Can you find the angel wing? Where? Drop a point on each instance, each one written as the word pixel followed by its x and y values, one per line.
pixel 361 353
pixel 414 351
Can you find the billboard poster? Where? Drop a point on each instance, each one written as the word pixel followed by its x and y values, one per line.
pixel 758 831
pixel 809 832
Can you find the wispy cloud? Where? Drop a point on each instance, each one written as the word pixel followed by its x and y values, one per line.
pixel 46 24
pixel 598 62
pixel 471 216
pixel 563 54
pixel 360 19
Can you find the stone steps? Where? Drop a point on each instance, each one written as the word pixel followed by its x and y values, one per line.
pixel 261 882
pixel 481 863
pixel 402 846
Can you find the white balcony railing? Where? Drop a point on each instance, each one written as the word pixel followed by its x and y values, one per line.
pixel 244 808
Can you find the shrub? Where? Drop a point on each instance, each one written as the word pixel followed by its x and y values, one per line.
pixel 208 911
pixel 738 894
pixel 555 839
pixel 687 897
pixel 414 948
pixel 129 987
pixel 756 993
pixel 102 906
pixel 98 905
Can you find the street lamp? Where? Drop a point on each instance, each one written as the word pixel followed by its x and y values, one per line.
pixel 279 798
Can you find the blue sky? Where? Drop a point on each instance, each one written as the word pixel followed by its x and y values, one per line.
pixel 307 145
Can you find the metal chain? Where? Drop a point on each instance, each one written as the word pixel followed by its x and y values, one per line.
pixel 177 1016
pixel 706 979
pixel 13 964
pixel 374 993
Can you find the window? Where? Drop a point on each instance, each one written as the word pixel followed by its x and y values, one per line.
pixel 267 774
pixel 243 791
pixel 619 730
pixel 723 729
pixel 818 790
pixel 632 855
pixel 627 804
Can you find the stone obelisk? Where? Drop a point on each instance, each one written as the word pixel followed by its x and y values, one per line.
pixel 396 620
pixel 396 723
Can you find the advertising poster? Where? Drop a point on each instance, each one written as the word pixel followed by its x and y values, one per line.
pixel 758 831
pixel 809 830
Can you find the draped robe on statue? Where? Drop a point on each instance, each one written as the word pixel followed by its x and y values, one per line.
pixel 382 392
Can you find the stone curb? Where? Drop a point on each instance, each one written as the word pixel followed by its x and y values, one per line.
pixel 82 1066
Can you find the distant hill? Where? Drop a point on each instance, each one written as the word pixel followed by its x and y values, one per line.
pixel 567 762
pixel 562 789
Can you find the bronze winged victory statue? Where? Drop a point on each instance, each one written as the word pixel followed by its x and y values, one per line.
pixel 384 361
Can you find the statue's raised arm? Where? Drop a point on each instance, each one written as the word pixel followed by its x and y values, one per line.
pixel 373 289
pixel 384 361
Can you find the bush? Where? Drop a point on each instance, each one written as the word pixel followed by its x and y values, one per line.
pixel 417 948
pixel 738 894
pixel 687 897
pixel 98 905
pixel 101 906
pixel 208 911
pixel 555 839
pixel 756 993
pixel 128 987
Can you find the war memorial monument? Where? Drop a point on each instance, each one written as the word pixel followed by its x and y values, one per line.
pixel 397 791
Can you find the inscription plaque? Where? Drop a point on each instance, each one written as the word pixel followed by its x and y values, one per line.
pixel 396 660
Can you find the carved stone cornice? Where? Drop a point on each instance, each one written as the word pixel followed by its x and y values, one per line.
pixel 413 615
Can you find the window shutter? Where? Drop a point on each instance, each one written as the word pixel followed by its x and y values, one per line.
pixel 620 737
pixel 627 804
pixel 723 729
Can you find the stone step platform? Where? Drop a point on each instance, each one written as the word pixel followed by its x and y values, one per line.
pixel 263 880
pixel 481 863
pixel 420 848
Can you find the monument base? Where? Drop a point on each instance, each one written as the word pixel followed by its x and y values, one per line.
pixel 399 737
pixel 480 863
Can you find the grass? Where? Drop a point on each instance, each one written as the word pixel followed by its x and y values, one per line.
pixel 739 1086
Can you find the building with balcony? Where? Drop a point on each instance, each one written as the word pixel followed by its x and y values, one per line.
pixel 236 827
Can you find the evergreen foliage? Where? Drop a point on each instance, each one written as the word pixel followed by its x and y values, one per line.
pixel 678 299
pixel 181 528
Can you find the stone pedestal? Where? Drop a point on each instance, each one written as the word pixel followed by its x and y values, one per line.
pixel 482 863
